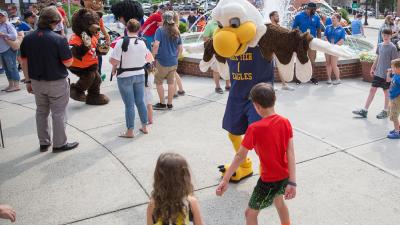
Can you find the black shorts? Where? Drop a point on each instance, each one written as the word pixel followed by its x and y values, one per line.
pixel 380 82
pixel 265 192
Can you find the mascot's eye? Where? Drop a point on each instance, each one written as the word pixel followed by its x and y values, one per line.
pixel 220 25
pixel 234 22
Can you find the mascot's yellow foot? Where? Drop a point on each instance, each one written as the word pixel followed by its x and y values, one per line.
pixel 240 174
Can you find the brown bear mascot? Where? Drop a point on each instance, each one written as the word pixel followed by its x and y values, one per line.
pixel 85 48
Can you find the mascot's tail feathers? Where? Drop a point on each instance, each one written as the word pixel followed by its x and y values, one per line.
pixel 286 71
pixel 221 68
pixel 326 47
pixel 303 71
pixel 194 47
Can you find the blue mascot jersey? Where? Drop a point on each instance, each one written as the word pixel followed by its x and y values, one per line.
pixel 245 71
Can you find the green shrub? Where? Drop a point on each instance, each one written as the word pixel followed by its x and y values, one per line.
pixel 345 15
pixel 367 57
pixel 74 8
pixel 183 27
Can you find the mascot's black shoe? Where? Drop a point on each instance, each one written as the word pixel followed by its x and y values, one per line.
pixel 97 99
pixel 314 81
pixel 76 94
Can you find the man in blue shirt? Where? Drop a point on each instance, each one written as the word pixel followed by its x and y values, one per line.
pixel 22 26
pixel 7 55
pixel 308 21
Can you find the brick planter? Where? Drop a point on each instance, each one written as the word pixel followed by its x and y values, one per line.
pixel 366 69
pixel 348 69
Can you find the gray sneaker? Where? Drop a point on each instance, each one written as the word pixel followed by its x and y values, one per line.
pixel 287 88
pixel 363 113
pixel 336 82
pixel 382 115
pixel 219 90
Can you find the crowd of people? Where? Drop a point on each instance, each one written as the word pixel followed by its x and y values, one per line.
pixel 13 29
pixel 157 43
pixel 383 68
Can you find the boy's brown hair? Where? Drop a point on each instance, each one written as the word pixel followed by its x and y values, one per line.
pixel 263 94
pixel 396 63
pixel 133 26
pixel 387 31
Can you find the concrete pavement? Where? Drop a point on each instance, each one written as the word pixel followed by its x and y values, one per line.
pixel 374 23
pixel 348 172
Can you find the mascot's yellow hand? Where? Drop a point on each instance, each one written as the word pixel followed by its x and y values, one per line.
pixel 87 40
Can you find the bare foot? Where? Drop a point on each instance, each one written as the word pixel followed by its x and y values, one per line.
pixel 126 135
pixel 144 130
pixel 5 89
pixel 12 89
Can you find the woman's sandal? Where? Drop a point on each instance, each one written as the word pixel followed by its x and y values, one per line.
pixel 144 132
pixel 124 135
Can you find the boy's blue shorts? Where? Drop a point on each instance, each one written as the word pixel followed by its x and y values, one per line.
pixel 239 114
pixel 149 41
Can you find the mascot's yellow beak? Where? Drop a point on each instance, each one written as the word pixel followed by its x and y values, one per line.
pixel 229 41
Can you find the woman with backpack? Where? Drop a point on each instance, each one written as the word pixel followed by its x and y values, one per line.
pixel 128 59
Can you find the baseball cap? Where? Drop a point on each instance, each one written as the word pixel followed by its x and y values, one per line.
pixel 4 13
pixel 169 17
pixel 59 4
pixel 28 14
pixel 312 5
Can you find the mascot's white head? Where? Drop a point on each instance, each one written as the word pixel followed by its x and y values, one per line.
pixel 240 26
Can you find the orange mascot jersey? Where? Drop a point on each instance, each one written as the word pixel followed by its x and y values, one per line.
pixel 90 58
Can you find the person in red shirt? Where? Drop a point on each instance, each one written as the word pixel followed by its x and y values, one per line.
pixel 272 139
pixel 150 26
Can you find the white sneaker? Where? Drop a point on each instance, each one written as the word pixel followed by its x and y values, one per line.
pixel 287 88
pixel 329 81
pixel 336 82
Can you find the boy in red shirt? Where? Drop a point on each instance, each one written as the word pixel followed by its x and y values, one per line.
pixel 150 26
pixel 272 139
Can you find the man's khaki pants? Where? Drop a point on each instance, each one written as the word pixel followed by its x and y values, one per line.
pixel 51 96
